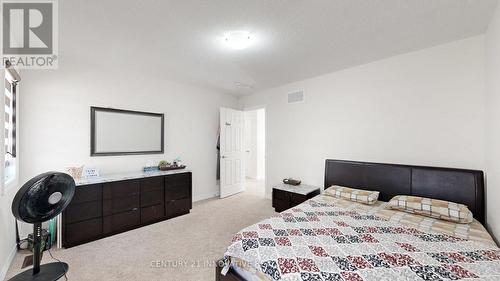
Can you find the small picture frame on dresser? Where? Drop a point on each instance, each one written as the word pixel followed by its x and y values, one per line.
pixel 90 172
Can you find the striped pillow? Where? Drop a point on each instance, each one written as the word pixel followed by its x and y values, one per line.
pixel 433 208
pixel 356 195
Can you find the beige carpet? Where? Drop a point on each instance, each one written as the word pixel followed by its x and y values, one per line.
pixel 185 247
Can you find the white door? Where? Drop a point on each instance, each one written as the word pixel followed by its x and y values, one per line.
pixel 232 164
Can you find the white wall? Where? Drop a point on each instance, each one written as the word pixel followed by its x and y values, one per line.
pixel 251 144
pixel 493 123
pixel 7 222
pixel 255 139
pixel 255 143
pixel 423 108
pixel 261 143
pixel 7 233
pixel 55 117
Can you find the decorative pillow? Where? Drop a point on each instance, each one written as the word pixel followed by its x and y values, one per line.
pixel 433 208
pixel 356 195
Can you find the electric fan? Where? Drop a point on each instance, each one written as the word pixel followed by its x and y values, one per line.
pixel 41 199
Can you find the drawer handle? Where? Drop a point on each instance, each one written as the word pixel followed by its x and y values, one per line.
pixel 134 209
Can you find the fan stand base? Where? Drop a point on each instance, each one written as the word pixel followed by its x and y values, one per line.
pixel 48 272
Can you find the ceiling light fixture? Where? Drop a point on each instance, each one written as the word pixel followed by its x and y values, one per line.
pixel 238 40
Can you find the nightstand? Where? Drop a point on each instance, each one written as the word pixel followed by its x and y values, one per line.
pixel 288 196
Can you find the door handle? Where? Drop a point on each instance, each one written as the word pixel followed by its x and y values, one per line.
pixel 223 157
pixel 228 124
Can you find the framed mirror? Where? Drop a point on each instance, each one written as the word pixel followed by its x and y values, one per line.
pixel 124 132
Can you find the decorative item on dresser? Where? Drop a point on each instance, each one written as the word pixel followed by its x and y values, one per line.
pixel 106 206
pixel 286 196
pixel 292 181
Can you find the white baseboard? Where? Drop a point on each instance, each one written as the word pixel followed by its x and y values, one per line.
pixel 7 263
pixel 200 197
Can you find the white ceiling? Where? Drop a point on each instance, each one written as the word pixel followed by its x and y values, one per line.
pixel 296 39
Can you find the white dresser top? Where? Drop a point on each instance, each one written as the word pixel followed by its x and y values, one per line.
pixel 303 189
pixel 127 176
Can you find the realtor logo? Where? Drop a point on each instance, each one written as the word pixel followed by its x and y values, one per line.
pixel 29 38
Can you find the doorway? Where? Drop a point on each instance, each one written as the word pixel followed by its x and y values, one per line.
pixel 255 151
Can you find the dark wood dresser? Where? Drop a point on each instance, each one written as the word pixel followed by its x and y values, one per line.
pixel 104 209
pixel 288 196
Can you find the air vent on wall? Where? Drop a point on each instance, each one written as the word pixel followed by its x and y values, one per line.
pixel 295 97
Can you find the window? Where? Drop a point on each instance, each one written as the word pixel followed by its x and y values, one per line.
pixel 10 140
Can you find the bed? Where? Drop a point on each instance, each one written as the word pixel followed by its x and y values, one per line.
pixel 326 238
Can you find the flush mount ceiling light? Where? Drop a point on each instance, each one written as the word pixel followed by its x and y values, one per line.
pixel 238 40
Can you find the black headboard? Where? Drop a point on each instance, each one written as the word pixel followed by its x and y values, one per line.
pixel 455 185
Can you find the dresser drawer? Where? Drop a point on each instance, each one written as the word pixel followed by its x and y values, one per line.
pixel 177 207
pixel 296 199
pixel 120 204
pixel 152 213
pixel 82 232
pixel 178 179
pixel 280 205
pixel 281 195
pixel 176 192
pixel 121 222
pixel 120 189
pixel 153 197
pixel 82 211
pixel 86 193
pixel 150 184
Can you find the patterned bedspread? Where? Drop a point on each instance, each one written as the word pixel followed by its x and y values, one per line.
pixel 325 239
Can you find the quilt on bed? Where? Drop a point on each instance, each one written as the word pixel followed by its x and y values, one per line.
pixel 323 240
